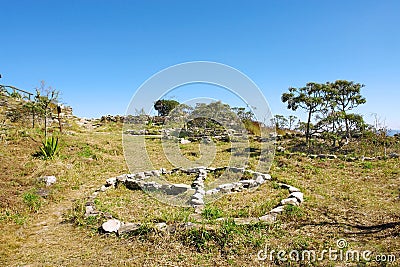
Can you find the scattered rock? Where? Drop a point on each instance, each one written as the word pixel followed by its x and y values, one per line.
pixel 278 209
pixel 351 159
pixel 248 183
pixel 111 226
pixel 197 196
pixel 280 149
pixel 140 175
pixel 268 218
pixel 246 221
pixel 161 226
pixel 212 191
pixel 331 156
pixel 298 195
pixel 128 228
pixel 367 158
pixel 121 178
pixel 111 181
pixel 293 189
pixel 133 184
pixel 197 202
pixel 48 180
pixel 103 188
pixel 89 209
pixel 290 201
pixel 43 192
pixel 394 155
pixel 260 180
pixel 184 141
pixel 226 188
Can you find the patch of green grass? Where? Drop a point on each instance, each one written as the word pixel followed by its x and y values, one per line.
pixel 367 165
pixel 86 152
pixel 32 200
pixel 293 211
pixel 212 213
pixel 17 217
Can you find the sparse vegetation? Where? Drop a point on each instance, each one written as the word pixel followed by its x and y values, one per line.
pixel 355 200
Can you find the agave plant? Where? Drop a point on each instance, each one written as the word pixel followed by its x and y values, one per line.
pixel 48 149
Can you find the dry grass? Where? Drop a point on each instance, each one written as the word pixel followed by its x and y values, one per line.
pixel 358 201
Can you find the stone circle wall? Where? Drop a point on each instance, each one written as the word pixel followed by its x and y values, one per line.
pixel 138 181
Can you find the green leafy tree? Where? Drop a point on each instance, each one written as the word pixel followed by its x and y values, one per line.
pixel 164 106
pixel 309 98
pixel 280 121
pixel 345 96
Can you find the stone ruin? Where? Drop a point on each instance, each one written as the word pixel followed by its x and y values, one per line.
pixel 197 192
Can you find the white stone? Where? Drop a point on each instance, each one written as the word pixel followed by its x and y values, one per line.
pixel 111 181
pixel 103 188
pixel 260 180
pixel 245 221
pixel 248 183
pixel 128 227
pixel 197 201
pixel 184 141
pixel 140 175
pixel 293 189
pixel 49 180
pixel 161 226
pixel 89 209
pixel 226 188
pixel 201 191
pixel 212 191
pixel 268 218
pixel 290 201
pixel 278 209
pixel 280 149
pixel 266 176
pixel 156 173
pixel 197 196
pixel 298 195
pixel 122 178
pixel 148 173
pixel 111 226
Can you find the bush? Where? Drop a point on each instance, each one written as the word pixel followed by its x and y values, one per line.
pixel 48 149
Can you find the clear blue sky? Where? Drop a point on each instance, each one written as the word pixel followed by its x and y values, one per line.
pixel 97 53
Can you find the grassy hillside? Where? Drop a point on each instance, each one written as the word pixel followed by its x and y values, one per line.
pixel 358 201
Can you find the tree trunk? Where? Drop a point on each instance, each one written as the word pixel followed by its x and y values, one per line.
pixel 308 127
pixel 346 121
pixel 33 117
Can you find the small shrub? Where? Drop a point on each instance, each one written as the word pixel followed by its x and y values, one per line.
pixel 48 149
